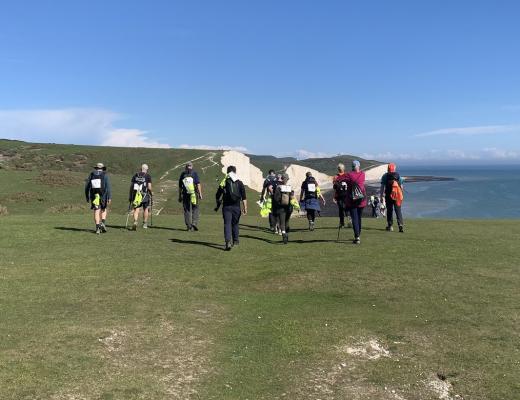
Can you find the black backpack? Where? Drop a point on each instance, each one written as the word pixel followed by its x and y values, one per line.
pixel 232 190
pixel 97 182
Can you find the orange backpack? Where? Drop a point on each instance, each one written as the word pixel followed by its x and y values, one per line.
pixel 397 193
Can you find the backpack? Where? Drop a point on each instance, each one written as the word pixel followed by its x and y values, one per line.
pixel 140 189
pixel 283 195
pixel 188 184
pixel 97 182
pixel 311 189
pixel 341 188
pixel 232 190
pixel 356 194
pixel 397 193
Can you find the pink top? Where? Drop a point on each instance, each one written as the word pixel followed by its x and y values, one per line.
pixel 359 178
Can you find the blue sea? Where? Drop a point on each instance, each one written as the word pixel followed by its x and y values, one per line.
pixel 477 192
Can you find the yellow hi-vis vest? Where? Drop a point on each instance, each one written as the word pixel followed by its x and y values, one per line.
pixel 266 207
pixel 97 200
pixel 138 199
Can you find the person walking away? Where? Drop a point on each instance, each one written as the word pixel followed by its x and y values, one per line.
pixel 267 196
pixel 284 203
pixel 140 195
pixel 98 193
pixel 374 202
pixel 190 194
pixel 340 194
pixel 356 199
pixel 392 185
pixel 309 196
pixel 231 194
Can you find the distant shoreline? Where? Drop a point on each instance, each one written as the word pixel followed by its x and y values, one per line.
pixel 427 178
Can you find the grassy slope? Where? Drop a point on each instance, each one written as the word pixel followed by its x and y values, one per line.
pixel 25 190
pixel 325 165
pixel 167 314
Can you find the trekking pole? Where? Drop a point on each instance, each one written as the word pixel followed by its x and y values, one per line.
pixel 128 214
pixel 151 210
pixel 339 230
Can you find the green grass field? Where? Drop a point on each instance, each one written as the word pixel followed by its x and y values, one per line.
pixel 166 314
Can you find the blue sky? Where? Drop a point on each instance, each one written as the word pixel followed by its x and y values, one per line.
pixel 408 81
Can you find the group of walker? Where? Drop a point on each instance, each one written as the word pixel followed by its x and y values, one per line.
pixel 277 199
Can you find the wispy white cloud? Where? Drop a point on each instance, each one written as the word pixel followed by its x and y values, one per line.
pixel 489 154
pixel 302 154
pixel 71 125
pixel 130 138
pixel 241 149
pixel 472 131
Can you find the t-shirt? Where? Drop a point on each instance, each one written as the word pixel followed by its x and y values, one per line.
pixel 142 178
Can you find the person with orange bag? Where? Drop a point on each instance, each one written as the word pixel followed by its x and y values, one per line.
pixel 392 194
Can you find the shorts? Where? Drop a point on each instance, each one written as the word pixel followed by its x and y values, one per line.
pixel 102 205
pixel 145 204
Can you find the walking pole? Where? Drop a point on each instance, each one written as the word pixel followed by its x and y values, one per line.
pixel 339 230
pixel 151 210
pixel 128 214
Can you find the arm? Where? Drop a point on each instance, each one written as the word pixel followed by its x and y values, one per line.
pixel 244 198
pixel 180 188
pixel 87 189
pixel 199 190
pixel 108 189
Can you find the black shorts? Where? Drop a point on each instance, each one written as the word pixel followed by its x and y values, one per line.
pixel 102 205
pixel 145 204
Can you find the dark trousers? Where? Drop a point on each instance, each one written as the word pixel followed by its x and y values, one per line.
pixel 390 207
pixel 284 216
pixel 311 215
pixel 231 216
pixel 191 211
pixel 342 211
pixel 272 221
pixel 356 214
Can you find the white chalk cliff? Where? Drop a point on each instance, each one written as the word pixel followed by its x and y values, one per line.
pixel 253 177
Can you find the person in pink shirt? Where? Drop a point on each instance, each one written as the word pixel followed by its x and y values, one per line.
pixel 356 199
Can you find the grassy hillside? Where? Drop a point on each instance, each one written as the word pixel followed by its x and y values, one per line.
pixel 163 313
pixel 50 177
pixel 325 165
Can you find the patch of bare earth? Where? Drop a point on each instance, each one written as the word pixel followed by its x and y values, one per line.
pixel 343 374
pixel 168 358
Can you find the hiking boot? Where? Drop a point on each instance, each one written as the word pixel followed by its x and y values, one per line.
pixel 98 230
pixel 145 225
pixel 235 243
pixel 103 227
pixel 341 226
pixel 188 228
pixel 311 226
pixel 228 246
pixel 134 226
pixel 285 238
pixel 401 228
pixel 389 228
pixel 194 227
pixel 357 241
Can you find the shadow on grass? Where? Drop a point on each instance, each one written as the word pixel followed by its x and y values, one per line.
pixel 166 228
pixel 279 241
pixel 254 228
pixel 199 243
pixel 71 229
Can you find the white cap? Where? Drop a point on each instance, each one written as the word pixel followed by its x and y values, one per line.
pixel 144 167
pixel 99 166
